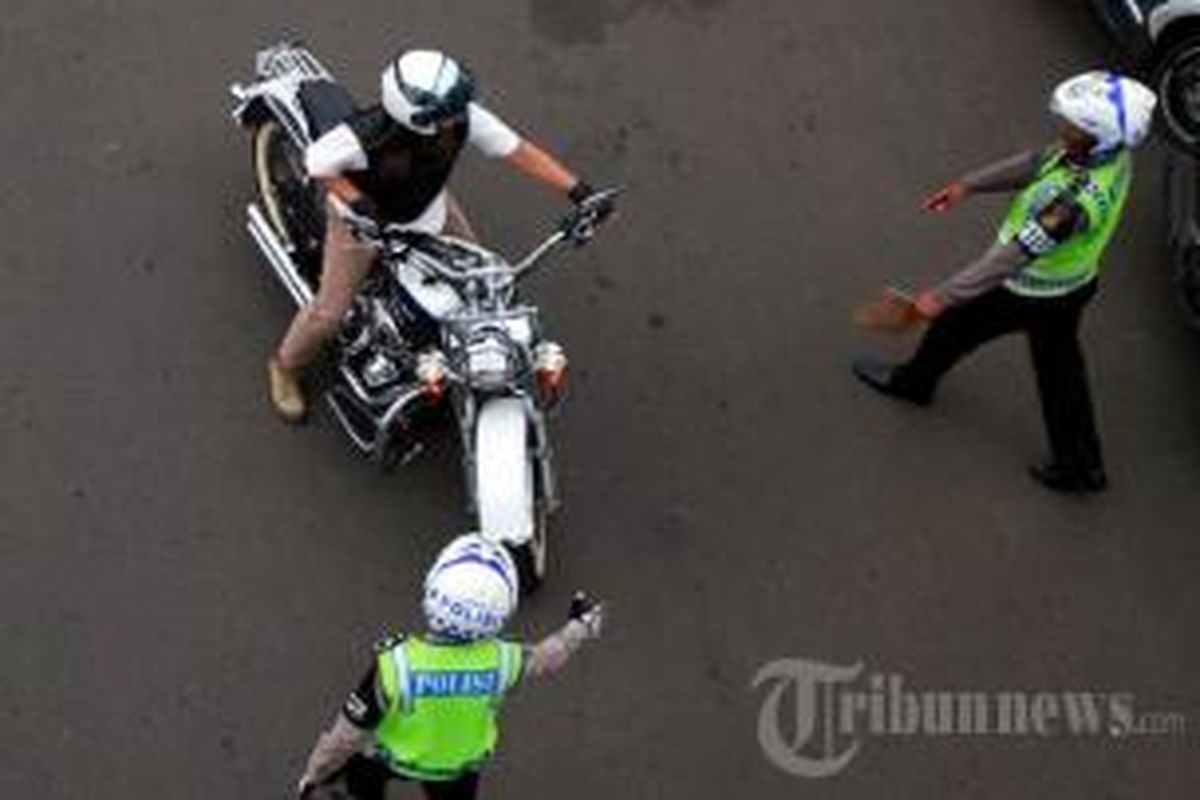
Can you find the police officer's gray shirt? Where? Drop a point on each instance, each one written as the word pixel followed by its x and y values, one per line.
pixel 1056 222
pixel 1000 262
pixel 1007 174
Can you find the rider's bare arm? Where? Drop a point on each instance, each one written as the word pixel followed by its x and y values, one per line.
pixel 540 165
pixel 336 152
pixel 494 138
pixel 330 157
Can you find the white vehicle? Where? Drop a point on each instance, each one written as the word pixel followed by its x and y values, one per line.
pixel 437 325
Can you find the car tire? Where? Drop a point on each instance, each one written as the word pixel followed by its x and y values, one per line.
pixel 1176 81
pixel 1187 282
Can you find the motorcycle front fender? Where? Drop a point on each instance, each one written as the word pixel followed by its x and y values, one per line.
pixel 504 471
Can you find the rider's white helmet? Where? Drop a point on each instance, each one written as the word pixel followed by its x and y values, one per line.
pixel 424 87
pixel 1116 111
pixel 471 590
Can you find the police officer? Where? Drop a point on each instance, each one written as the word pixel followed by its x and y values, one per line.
pixel 391 163
pixel 426 709
pixel 1041 271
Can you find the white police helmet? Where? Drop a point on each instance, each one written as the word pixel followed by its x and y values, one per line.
pixel 471 590
pixel 424 87
pixel 1116 111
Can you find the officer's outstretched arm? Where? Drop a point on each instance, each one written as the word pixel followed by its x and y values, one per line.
pixel 351 732
pixel 985 273
pixel 1006 175
pixel 1052 226
pixel 552 653
pixel 333 749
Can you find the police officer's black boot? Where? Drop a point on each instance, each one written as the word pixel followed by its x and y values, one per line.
pixel 1070 480
pixel 890 380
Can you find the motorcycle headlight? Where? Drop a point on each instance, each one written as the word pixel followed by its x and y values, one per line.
pixel 491 364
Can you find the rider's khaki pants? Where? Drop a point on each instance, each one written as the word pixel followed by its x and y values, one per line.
pixel 345 265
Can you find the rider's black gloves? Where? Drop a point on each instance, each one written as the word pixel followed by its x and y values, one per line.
pixel 581 191
pixel 365 207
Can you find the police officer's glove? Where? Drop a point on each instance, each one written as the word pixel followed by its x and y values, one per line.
pixel 588 612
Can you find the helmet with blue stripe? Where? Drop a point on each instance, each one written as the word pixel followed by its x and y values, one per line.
pixel 1114 110
pixel 471 590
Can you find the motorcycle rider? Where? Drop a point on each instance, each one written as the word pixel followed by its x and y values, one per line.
pixel 1041 271
pixel 426 709
pixel 391 163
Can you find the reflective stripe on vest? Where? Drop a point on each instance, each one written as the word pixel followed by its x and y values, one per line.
pixel 442 703
pixel 1101 191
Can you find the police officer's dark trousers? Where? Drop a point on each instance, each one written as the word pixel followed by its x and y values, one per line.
pixel 364 778
pixel 1052 328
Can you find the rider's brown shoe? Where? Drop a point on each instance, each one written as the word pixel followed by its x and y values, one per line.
pixel 286 393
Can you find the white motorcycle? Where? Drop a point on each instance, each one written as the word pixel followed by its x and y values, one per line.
pixel 438 323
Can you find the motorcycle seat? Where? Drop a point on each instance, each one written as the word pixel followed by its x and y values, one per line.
pixel 326 104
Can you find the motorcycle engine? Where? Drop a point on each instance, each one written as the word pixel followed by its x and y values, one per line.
pixel 374 347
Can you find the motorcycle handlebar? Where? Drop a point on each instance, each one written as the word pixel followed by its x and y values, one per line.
pixel 579 227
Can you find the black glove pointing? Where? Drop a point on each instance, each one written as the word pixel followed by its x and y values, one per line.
pixel 588 612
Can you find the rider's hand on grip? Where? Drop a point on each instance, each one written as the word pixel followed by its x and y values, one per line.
pixel 581 191
pixel 588 612
pixel 591 211
pixel 359 215
pixel 364 206
pixel 602 204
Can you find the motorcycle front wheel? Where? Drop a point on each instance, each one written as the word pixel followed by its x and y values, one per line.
pixel 531 557
pixel 1187 283
pixel 1176 80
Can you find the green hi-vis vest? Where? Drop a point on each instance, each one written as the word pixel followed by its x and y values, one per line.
pixel 1100 190
pixel 442 701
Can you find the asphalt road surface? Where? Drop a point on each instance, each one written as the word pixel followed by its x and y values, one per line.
pixel 188 587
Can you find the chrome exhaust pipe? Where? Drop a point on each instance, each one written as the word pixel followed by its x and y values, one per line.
pixel 277 256
pixel 392 419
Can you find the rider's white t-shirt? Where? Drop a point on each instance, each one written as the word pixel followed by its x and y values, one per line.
pixel 339 151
